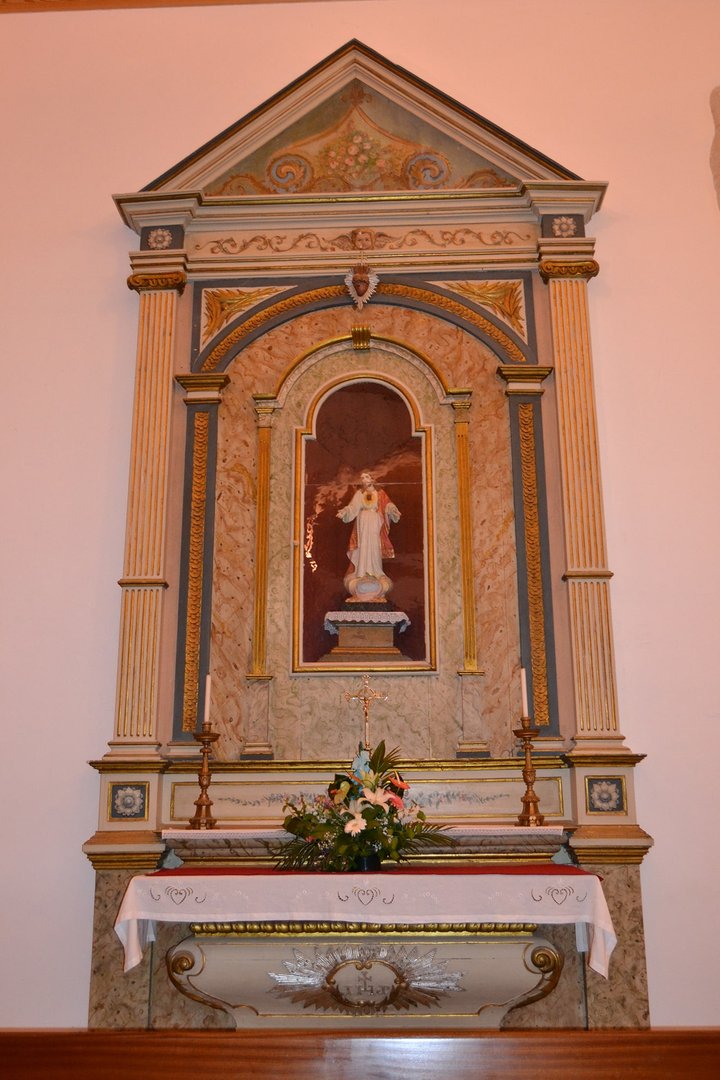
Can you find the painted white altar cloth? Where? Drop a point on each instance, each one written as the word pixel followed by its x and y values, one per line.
pixel 534 893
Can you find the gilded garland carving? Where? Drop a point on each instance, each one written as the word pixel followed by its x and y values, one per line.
pixel 364 240
pixel 195 570
pixel 157 282
pixel 437 300
pixel 536 612
pixel 560 268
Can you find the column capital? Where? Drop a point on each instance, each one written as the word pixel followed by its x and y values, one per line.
pixel 568 268
pixel 202 386
pixel 460 399
pixel 175 280
pixel 265 406
pixel 523 379
pixel 567 257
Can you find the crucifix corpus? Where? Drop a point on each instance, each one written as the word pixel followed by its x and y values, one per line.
pixel 367 696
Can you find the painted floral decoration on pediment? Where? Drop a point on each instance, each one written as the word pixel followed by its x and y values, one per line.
pixel 359 141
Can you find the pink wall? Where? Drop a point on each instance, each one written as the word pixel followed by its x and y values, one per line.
pixel 105 101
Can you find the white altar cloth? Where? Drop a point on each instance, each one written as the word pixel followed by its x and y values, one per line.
pixel 530 893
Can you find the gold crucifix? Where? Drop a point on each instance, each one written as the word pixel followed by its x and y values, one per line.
pixel 368 697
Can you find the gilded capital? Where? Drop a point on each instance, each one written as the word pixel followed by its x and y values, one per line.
pixel 157 282
pixel 568 268
pixel 203 386
pixel 265 406
pixel 523 380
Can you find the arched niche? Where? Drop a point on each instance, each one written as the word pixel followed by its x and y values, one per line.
pixel 366 423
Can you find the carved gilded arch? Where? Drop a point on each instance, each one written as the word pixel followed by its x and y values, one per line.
pixel 228 343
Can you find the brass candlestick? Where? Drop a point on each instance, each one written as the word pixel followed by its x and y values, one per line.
pixel 202 818
pixel 530 812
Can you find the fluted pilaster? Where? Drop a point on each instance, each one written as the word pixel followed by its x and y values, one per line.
pixel 143 581
pixel 586 575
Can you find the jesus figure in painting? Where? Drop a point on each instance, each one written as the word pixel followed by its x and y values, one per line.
pixel 371 511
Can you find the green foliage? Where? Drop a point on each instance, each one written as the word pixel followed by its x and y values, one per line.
pixel 363 813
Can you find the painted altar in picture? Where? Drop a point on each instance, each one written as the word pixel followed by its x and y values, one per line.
pixel 364 444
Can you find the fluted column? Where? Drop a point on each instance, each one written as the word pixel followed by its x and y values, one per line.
pixel 143 581
pixel 257 744
pixel 471 742
pixel 566 268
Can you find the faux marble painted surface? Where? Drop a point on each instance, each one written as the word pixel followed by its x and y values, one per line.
pixel 584 998
pixel 305 716
pixel 118 999
pixel 621 1000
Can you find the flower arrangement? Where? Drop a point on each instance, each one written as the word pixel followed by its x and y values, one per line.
pixel 363 816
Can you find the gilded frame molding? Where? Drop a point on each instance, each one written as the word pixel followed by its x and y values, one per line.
pixel 299 665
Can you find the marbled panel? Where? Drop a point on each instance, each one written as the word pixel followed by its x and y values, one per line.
pixel 309 718
pixel 622 999
pixel 118 999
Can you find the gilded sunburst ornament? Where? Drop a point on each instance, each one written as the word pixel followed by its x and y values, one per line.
pixel 360 980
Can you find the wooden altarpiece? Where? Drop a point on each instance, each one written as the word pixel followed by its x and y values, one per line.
pixel 264 388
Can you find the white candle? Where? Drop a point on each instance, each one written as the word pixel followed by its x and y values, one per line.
pixel 208 682
pixel 523 692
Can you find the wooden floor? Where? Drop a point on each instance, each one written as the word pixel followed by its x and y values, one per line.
pixel 667 1054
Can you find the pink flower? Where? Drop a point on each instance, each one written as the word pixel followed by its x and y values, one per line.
pixel 381 797
pixel 395 801
pixel 355 825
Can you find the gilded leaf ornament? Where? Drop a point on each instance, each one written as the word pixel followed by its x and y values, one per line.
pixel 505 298
pixel 221 305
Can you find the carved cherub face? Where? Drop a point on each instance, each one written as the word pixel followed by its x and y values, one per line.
pixel 362 239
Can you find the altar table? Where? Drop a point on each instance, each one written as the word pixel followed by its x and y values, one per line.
pixel 535 893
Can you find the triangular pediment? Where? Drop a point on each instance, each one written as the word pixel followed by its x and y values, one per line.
pixel 354 124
